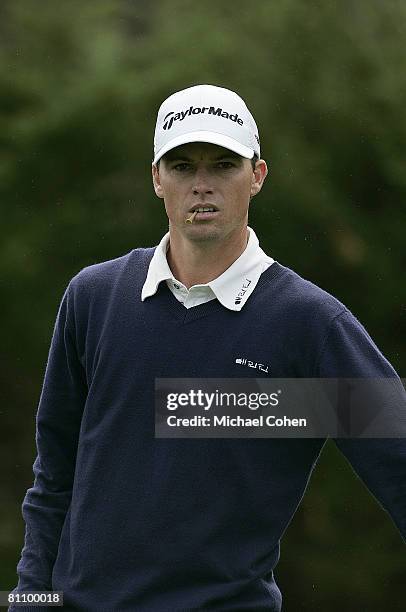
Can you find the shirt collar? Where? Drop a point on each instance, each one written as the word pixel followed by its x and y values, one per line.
pixel 232 288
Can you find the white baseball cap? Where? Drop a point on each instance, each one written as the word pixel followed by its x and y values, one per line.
pixel 206 113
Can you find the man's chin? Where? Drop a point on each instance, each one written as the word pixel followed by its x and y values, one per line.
pixel 204 234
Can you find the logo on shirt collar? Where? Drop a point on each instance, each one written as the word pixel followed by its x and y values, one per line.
pixel 242 291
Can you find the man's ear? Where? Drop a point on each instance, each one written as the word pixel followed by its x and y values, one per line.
pixel 258 176
pixel 156 179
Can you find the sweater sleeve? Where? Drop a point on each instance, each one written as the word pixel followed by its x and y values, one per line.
pixel 349 352
pixel 58 421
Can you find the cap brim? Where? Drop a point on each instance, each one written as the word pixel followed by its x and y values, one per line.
pixel 211 137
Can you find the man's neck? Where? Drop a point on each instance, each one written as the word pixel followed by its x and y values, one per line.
pixel 198 263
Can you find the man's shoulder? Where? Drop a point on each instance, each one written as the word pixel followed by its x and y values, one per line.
pixel 134 263
pixel 298 296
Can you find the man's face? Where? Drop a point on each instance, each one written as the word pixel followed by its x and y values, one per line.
pixel 207 176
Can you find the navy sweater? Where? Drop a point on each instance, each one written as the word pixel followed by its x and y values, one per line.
pixel 122 521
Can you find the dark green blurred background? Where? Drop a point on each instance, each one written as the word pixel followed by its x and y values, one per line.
pixel 80 84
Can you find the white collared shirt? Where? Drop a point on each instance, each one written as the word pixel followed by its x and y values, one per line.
pixel 232 288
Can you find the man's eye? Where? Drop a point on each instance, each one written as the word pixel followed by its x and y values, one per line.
pixel 181 167
pixel 225 165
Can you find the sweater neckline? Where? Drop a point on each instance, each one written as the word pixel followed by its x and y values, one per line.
pixel 185 315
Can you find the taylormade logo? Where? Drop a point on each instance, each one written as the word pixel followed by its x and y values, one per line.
pixel 197 110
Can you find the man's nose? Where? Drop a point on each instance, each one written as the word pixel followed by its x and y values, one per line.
pixel 202 182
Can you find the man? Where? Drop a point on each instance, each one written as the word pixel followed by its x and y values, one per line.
pixel 120 520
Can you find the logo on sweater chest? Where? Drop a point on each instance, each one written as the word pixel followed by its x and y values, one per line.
pixel 243 361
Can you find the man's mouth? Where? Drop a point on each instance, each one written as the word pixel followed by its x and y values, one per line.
pixel 201 213
pixel 202 209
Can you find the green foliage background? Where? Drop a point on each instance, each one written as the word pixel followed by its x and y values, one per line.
pixel 80 84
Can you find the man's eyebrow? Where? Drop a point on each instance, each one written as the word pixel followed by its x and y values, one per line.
pixel 177 157
pixel 228 154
